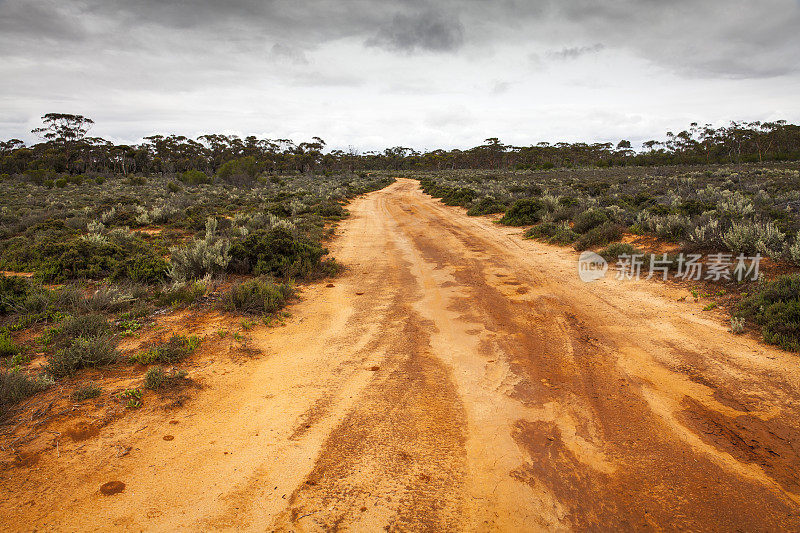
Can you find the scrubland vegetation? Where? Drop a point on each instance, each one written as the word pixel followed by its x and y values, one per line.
pixel 96 237
pixel 89 258
pixel 735 209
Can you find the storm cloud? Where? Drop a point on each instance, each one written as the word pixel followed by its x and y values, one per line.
pixel 379 73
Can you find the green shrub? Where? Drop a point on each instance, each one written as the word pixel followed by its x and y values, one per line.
pixel 276 252
pixel 207 256
pixel 180 295
pixel 15 386
pixel 257 297
pixel 775 306
pixel 83 352
pixel 92 325
pixel 61 183
pixel 156 378
pixel 614 250
pixel 552 233
pixel 239 171
pixel 599 236
pixel 8 348
pixel 462 196
pixel 85 393
pixel 176 348
pixel 141 268
pixel 589 220
pixel 486 206
pixel 524 212
pixel 194 177
pixel 13 293
pixel 330 210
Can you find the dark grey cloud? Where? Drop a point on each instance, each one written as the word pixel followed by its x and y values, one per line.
pixel 427 31
pixel 148 64
pixel 284 53
pixel 575 52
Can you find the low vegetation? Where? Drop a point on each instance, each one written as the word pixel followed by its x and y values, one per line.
pixel 258 296
pixel 775 308
pixel 175 349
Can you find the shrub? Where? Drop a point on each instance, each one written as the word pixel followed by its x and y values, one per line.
pixel 83 352
pixel 207 256
pixel 84 326
pixel 257 296
pixel 8 348
pixel 753 237
pixel 184 294
pixel 330 210
pixel 775 306
pixel 13 292
pixel 239 171
pixel 176 348
pixel 193 177
pixel 15 386
pixel 486 206
pixel 141 268
pixel 85 393
pixel 614 250
pixel 106 299
pixel 794 250
pixel 599 236
pixel 276 252
pixel 157 378
pixel 524 212
pixel 589 220
pixel 552 233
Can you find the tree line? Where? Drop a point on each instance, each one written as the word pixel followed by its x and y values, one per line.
pixel 67 148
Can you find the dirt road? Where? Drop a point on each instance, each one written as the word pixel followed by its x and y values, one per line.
pixel 456 377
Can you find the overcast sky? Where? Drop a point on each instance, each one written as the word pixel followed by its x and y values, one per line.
pixel 423 74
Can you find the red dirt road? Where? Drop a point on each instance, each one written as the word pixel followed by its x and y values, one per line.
pixel 457 377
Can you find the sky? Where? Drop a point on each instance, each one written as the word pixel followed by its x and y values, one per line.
pixel 375 74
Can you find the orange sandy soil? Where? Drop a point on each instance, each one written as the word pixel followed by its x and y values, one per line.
pixel 456 377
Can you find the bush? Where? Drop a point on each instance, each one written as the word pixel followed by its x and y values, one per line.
pixel 84 326
pixel 775 306
pixel 185 294
pixel 239 171
pixel 141 268
pixel 599 236
pixel 794 250
pixel 15 386
pixel 8 348
pixel 193 177
pixel 83 352
pixel 613 251
pixel 754 237
pixel 552 233
pixel 176 348
pixel 207 256
pixel 276 252
pixel 257 297
pixel 486 206
pixel 588 220
pixel 13 292
pixel 157 378
pixel 106 299
pixel 524 212
pixel 85 393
